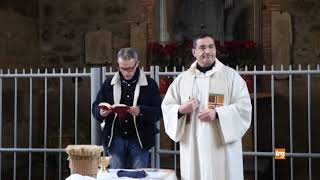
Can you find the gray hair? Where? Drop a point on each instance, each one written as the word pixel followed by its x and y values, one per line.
pixel 128 53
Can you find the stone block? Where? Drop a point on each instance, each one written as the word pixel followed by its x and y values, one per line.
pixel 138 40
pixel 98 47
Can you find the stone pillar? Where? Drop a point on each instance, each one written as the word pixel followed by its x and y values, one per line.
pixel 281 38
pixel 138 40
pixel 164 35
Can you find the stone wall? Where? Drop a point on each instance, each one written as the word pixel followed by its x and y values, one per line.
pixel 19 44
pixel 60 29
pixel 64 25
pixel 305 29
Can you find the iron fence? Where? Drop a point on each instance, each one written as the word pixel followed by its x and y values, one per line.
pixel 42 110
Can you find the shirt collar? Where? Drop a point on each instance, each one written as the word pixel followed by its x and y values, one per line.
pixel 205 69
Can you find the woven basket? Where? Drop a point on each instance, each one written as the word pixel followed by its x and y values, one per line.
pixel 84 159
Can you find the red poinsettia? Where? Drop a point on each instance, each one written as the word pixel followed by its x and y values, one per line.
pixel 238 52
pixel 173 54
pixel 232 53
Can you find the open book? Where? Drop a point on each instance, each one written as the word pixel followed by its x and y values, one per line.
pixel 117 108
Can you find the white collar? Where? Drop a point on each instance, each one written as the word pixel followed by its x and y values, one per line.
pixel 142 81
pixel 218 65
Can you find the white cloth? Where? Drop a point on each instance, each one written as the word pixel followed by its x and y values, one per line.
pixel 79 177
pixel 152 174
pixel 209 150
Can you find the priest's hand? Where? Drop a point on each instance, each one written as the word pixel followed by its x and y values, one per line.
pixel 134 110
pixel 189 106
pixel 207 115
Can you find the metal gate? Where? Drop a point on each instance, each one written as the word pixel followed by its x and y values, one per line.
pixel 42 110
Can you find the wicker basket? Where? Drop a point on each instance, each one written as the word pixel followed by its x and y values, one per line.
pixel 84 159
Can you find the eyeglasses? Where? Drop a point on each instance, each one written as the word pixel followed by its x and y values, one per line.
pixel 128 69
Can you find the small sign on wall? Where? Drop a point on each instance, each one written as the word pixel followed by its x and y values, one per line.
pixel 98 47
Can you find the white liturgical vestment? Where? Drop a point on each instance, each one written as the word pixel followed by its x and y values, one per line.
pixel 209 150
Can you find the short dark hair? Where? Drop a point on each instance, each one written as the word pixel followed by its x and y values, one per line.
pixel 128 53
pixel 200 36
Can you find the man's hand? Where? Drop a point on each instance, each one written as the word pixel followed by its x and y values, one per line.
pixel 207 115
pixel 104 112
pixel 134 110
pixel 189 106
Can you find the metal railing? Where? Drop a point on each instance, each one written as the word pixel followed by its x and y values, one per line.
pixel 26 85
pixel 51 97
pixel 274 75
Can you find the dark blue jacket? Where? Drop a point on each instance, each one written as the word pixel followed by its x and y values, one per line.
pixel 149 102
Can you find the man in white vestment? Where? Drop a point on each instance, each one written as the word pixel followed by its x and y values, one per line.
pixel 208 109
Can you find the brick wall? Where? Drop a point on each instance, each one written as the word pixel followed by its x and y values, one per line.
pixel 150 7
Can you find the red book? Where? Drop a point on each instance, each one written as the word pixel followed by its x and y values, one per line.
pixel 117 108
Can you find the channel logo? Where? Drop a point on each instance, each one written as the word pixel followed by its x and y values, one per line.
pixel 280 153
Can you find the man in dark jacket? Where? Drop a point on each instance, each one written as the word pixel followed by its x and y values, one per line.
pixel 128 137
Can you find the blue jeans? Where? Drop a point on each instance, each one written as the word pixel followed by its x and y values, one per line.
pixel 127 154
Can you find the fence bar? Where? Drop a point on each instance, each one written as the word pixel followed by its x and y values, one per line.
pixel 60 122
pixel 40 150
pixel 153 150
pixel 275 72
pixel 95 83
pixel 152 72
pixel 15 126
pixel 255 124
pixel 272 122
pixel 290 123
pixel 157 145
pixel 45 124
pixel 309 125
pixel 30 124
pixel 76 109
pixel 295 155
pixel 104 72
pixel 39 75
pixel 1 121
pixel 264 154
pixel 175 157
